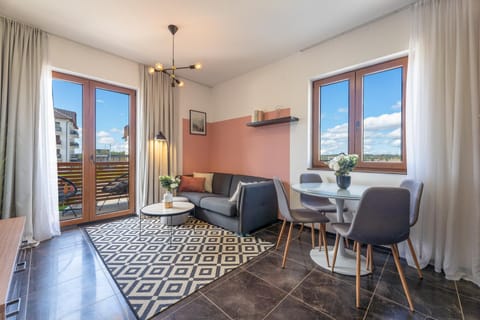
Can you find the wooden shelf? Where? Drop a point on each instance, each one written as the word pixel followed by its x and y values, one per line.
pixel 272 121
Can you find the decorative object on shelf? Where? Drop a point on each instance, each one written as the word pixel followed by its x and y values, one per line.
pixel 343 164
pixel 257 115
pixel 169 183
pixel 171 70
pixel 198 122
pixel 272 121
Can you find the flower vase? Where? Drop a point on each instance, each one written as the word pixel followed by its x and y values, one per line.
pixel 343 182
pixel 168 199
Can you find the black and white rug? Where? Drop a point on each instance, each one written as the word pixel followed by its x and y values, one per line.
pixel 158 270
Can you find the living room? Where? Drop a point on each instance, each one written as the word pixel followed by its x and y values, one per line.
pixel 275 75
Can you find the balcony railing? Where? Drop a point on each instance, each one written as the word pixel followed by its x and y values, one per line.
pixel 74 144
pixel 106 172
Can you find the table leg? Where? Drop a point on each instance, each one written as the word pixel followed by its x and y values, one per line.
pixel 346 260
pixel 140 220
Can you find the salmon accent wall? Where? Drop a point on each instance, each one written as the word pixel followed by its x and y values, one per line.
pixel 231 146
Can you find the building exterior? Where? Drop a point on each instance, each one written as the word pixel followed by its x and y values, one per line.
pixel 67 135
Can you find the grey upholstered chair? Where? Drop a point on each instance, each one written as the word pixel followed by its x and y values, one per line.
pixel 416 190
pixel 320 204
pixel 297 216
pixel 382 219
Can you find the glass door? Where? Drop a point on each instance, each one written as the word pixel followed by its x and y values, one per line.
pixel 95 142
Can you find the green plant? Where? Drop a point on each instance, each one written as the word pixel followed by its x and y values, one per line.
pixel 169 183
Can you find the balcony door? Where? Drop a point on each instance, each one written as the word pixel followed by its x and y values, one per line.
pixel 95 136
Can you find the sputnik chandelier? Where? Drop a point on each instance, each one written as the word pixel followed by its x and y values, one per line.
pixel 171 70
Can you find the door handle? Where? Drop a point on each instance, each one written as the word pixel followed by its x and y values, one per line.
pixel 92 158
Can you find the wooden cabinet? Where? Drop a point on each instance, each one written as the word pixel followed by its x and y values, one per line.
pixel 11 232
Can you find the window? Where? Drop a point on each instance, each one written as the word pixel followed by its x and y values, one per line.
pixel 362 112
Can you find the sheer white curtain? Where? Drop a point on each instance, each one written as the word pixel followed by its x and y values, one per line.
pixel 157 112
pixel 443 116
pixel 28 185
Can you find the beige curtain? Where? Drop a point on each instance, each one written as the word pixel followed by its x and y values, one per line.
pixel 157 113
pixel 28 184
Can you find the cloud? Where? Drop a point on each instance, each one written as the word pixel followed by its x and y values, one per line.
pixel 106 140
pixel 397 133
pixel 397 105
pixel 382 122
pixel 100 101
pixel 103 134
pixel 342 110
pixel 116 130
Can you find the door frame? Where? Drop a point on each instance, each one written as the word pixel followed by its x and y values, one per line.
pixel 89 202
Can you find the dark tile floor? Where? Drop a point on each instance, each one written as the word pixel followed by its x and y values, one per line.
pixel 69 281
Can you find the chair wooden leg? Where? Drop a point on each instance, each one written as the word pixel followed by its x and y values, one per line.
pixel 337 241
pixel 347 243
pixel 414 255
pixel 323 229
pixel 367 260
pixel 300 231
pixel 357 279
pixel 281 233
pixel 289 237
pixel 370 257
pixel 402 276
pixel 320 237
pixel 313 236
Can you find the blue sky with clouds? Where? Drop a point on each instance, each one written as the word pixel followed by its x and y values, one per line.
pixel 381 114
pixel 111 113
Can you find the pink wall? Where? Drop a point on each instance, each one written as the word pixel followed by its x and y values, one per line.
pixel 231 146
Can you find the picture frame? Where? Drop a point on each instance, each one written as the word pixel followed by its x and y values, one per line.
pixel 198 122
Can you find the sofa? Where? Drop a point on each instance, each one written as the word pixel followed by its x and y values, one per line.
pixel 256 206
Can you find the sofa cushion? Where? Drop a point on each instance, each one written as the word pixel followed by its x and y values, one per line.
pixel 208 179
pixel 221 183
pixel 191 184
pixel 219 205
pixel 237 178
pixel 195 197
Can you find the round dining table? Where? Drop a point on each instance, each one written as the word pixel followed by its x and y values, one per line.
pixel 346 259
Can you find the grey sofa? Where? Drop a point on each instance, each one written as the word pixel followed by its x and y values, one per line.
pixel 256 206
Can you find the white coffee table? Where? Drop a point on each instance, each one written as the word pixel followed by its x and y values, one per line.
pixel 159 210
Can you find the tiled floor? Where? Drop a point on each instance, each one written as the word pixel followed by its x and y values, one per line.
pixel 69 281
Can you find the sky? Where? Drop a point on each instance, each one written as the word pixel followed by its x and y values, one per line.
pixel 381 114
pixel 111 110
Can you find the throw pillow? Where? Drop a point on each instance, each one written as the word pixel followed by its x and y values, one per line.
pixel 191 184
pixel 208 180
pixel 236 194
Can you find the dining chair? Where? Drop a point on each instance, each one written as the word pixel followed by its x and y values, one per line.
pixel 416 190
pixel 382 219
pixel 319 204
pixel 293 216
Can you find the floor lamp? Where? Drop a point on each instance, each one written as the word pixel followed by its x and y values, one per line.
pixel 161 137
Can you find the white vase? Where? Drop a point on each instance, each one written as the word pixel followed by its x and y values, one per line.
pixel 168 199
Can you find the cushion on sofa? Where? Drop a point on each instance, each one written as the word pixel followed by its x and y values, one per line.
pixel 221 183
pixel 237 178
pixel 219 205
pixel 208 179
pixel 195 197
pixel 191 184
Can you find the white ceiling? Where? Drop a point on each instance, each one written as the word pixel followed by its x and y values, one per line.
pixel 228 37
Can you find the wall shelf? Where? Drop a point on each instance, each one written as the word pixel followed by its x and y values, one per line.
pixel 272 121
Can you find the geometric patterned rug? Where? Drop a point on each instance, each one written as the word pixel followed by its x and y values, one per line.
pixel 157 271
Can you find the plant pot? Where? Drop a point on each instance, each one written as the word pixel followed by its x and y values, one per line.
pixel 343 182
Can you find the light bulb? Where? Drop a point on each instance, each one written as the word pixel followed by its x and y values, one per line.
pixel 181 84
pixel 159 66
pixel 198 66
pixel 151 70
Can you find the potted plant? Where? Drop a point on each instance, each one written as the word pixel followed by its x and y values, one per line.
pixel 343 164
pixel 170 184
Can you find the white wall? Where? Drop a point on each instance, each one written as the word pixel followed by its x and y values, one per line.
pixel 288 83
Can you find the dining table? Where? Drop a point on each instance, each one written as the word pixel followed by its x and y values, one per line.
pixel 346 259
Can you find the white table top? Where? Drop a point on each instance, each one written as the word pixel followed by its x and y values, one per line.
pixel 158 209
pixel 330 190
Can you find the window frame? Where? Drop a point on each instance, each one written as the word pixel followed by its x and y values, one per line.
pixel 355 116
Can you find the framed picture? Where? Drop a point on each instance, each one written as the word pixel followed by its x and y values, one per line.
pixel 198 122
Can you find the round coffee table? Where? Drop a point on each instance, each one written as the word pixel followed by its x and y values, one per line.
pixel 159 210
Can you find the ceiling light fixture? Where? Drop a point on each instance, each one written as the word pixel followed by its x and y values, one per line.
pixel 171 70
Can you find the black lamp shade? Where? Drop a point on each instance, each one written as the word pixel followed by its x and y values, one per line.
pixel 160 136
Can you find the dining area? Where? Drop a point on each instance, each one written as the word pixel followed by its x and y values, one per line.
pixel 380 217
